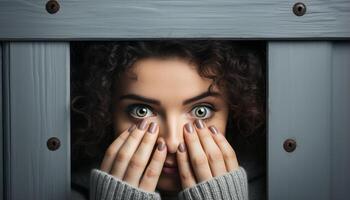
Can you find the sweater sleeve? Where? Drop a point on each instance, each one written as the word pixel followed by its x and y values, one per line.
pixel 230 186
pixel 107 187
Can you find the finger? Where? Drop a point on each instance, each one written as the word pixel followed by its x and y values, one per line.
pixel 197 155
pixel 126 151
pixel 150 178
pixel 140 159
pixel 186 175
pixel 226 149
pixel 213 152
pixel 112 150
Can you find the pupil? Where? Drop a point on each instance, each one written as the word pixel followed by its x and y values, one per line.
pixel 200 112
pixel 142 111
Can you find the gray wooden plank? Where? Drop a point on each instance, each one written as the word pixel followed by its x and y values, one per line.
pixel 37 108
pixel 6 119
pixel 146 19
pixel 299 107
pixel 340 148
pixel 2 196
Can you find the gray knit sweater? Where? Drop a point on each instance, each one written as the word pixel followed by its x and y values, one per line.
pixel 230 186
pixel 247 154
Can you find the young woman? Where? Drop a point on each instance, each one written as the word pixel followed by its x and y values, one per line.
pixel 162 118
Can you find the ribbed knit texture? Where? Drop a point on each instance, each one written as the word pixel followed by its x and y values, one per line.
pixel 229 186
pixel 104 186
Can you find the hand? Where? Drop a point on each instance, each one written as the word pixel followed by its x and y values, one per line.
pixel 128 156
pixel 205 154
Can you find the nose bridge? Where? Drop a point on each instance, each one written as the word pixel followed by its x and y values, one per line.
pixel 173 133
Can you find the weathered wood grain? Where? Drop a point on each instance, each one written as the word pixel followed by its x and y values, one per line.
pixel 299 108
pixel 36 89
pixel 1 133
pixel 147 19
pixel 309 101
pixel 340 135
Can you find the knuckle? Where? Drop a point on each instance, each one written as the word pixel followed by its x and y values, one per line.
pixel 199 161
pixel 123 137
pixel 191 139
pixel 185 176
pixel 221 139
pixel 136 164
pixel 152 173
pixel 147 140
pixel 110 152
pixel 121 156
pixel 206 137
pixel 157 157
pixel 182 158
pixel 135 136
pixel 228 155
pixel 214 157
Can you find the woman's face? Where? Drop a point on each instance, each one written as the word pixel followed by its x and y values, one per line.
pixel 171 93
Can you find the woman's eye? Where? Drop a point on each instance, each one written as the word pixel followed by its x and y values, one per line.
pixel 140 111
pixel 202 112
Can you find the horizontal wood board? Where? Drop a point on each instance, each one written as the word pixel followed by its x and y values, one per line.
pixel 149 19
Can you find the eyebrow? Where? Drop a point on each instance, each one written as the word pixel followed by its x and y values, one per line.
pixel 156 102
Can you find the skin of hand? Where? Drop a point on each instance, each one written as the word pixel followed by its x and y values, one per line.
pixel 129 158
pixel 205 154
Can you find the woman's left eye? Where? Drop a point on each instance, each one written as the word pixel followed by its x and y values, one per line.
pixel 140 111
pixel 202 112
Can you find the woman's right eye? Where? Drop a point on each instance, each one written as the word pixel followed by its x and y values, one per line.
pixel 140 111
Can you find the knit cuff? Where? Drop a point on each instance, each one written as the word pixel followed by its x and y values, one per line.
pixel 230 186
pixel 106 186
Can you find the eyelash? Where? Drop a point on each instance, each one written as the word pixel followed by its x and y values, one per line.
pixel 211 107
pixel 130 108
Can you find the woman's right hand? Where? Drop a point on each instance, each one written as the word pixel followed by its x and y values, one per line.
pixel 127 158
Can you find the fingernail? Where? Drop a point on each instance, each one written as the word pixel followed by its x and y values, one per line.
pixel 161 146
pixel 199 123
pixel 182 147
pixel 213 130
pixel 189 127
pixel 152 127
pixel 132 128
pixel 142 125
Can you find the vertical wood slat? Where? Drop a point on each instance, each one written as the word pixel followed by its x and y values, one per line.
pixel 2 195
pixel 340 148
pixel 37 78
pixel 299 107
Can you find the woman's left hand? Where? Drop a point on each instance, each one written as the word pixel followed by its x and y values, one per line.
pixel 205 154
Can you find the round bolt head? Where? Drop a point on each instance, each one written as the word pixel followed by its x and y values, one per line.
pixel 53 143
pixel 289 145
pixel 52 6
pixel 299 9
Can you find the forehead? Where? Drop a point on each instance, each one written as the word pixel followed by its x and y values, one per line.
pixel 164 79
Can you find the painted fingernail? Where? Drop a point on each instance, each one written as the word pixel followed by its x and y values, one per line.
pixel 182 147
pixel 189 127
pixel 142 125
pixel 199 123
pixel 213 130
pixel 132 128
pixel 152 127
pixel 161 146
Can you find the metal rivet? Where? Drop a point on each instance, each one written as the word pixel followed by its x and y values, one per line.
pixel 289 145
pixel 53 143
pixel 299 9
pixel 52 6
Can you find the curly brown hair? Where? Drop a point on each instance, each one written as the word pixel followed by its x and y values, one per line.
pixel 237 67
